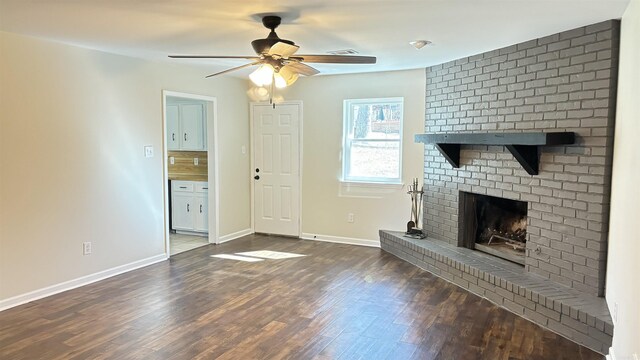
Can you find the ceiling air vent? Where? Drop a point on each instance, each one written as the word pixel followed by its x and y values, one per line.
pixel 343 52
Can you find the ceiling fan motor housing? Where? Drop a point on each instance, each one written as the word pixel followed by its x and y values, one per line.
pixel 262 46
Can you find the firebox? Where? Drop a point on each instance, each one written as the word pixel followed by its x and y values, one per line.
pixel 493 225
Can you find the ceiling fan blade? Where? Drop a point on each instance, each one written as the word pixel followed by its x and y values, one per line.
pixel 336 59
pixel 302 69
pixel 283 49
pixel 212 57
pixel 233 69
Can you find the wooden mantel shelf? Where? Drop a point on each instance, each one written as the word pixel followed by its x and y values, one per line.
pixel 525 147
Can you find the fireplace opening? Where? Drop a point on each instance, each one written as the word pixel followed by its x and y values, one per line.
pixel 493 225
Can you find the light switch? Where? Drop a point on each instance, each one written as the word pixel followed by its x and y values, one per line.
pixel 172 160
pixel 148 151
pixel 195 161
pixel 243 149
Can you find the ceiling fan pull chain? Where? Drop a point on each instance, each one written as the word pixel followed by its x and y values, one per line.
pixel 273 80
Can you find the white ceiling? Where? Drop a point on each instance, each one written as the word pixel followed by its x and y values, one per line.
pixel 152 29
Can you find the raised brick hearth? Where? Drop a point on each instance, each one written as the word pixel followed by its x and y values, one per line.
pixel 562 82
pixel 579 317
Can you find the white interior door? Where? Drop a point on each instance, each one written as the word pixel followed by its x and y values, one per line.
pixel 276 154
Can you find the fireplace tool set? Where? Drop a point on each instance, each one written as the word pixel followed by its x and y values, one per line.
pixel 413 230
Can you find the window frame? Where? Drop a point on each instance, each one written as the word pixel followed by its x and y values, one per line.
pixel 347 120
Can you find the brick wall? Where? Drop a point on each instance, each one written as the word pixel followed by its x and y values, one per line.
pixel 562 82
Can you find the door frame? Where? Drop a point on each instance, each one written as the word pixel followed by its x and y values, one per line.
pixel 213 196
pixel 300 157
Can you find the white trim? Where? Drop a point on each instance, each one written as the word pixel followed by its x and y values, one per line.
pixel 300 157
pixel 78 282
pixel 212 155
pixel 347 121
pixel 195 233
pixel 611 355
pixel 373 184
pixel 235 235
pixel 213 171
pixel 251 170
pixel 340 240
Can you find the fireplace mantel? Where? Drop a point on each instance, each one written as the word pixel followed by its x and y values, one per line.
pixel 525 147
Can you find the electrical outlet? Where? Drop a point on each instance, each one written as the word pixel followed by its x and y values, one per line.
pixel 86 248
pixel 195 161
pixel 172 160
pixel 350 217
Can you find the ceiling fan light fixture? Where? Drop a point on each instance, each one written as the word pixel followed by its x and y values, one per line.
pixel 263 75
pixel 288 75
pixel 279 81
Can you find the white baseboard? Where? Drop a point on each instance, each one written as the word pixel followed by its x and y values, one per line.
pixel 195 233
pixel 235 235
pixel 341 240
pixel 610 356
pixel 75 283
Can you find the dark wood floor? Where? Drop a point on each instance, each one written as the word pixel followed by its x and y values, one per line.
pixel 338 302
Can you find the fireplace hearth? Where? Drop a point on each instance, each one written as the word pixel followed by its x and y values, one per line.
pixel 493 225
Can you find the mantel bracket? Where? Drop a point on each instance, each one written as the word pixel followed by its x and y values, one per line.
pixel 451 153
pixel 527 155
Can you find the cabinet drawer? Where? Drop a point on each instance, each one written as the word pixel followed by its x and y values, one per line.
pixel 201 186
pixel 182 186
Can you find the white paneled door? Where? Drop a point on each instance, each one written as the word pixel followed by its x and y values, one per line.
pixel 276 172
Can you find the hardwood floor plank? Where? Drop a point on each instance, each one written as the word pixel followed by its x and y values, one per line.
pixel 337 302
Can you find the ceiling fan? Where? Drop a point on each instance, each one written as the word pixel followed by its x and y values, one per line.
pixel 277 63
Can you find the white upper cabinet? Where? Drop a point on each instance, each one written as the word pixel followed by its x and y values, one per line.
pixel 173 127
pixel 192 118
pixel 186 127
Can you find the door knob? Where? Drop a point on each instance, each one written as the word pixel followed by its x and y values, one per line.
pixel 257 177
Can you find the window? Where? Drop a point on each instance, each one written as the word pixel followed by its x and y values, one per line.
pixel 372 140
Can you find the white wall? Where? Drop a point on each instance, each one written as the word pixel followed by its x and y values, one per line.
pixel 324 208
pixel 623 263
pixel 72 129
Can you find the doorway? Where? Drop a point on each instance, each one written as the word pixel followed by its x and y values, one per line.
pixel 190 176
pixel 276 134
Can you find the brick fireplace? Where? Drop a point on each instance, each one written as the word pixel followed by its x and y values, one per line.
pixel 565 82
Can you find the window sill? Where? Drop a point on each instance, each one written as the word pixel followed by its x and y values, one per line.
pixel 372 184
pixel 367 189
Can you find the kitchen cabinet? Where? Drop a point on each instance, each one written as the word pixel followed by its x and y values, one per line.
pixel 173 127
pixel 201 222
pixel 186 127
pixel 189 209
